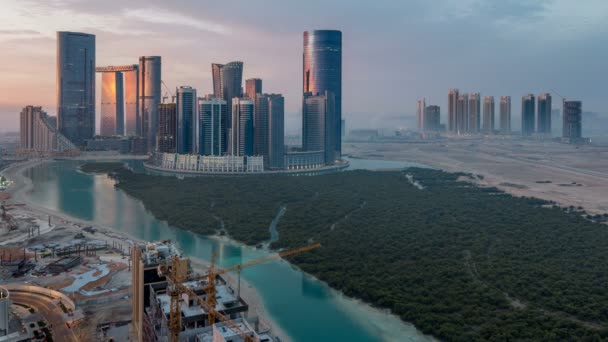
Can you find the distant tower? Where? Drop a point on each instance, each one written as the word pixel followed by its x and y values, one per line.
pixel 505 114
pixel 253 86
pixel 318 131
pixel 186 123
pixel 149 97
pixel 242 127
pixel 474 116
pixel 527 115
pixel 212 122
pixel 572 116
pixel 217 73
pixel 112 104
pixel 452 104
pixel 76 86
pixel 322 71
pixel 420 109
pixel 432 118
pixel 543 122
pixel 167 119
pixel 462 113
pixel 488 114
pixel 276 131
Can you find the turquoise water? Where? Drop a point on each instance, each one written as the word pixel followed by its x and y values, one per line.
pixel 304 308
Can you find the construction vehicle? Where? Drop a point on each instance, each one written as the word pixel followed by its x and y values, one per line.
pixel 177 272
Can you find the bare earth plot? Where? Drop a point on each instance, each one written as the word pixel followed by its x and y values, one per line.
pixel 566 174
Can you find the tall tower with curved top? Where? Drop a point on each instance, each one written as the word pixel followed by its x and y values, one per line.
pixel 322 71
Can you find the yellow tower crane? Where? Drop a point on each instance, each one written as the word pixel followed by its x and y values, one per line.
pixel 176 274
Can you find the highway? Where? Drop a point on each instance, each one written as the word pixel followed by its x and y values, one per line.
pixel 52 312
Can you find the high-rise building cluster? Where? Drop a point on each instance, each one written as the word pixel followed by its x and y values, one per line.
pixel 464 115
pixel 39 135
pixel 232 121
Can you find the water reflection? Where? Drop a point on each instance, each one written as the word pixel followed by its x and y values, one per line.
pixel 306 309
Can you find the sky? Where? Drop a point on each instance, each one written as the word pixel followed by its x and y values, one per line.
pixel 394 52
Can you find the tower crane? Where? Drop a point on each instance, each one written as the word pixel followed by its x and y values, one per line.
pixel 176 274
pixel 167 91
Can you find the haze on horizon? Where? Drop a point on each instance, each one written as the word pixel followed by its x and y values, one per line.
pixel 393 52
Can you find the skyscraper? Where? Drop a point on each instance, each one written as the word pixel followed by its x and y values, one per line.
pixel 452 104
pixel 212 126
pixel 420 109
pixel 462 113
pixel 276 131
pixel 318 129
pixel 130 102
pixel 231 83
pixel 149 98
pixel 572 116
pixel 76 86
pixel 505 114
pixel 543 122
pixel 112 104
pixel 167 119
pixel 322 71
pixel 253 86
pixel 217 73
pixel 186 120
pixel 268 128
pixel 488 114
pixel 527 115
pixel 474 115
pixel 242 127
pixel 432 118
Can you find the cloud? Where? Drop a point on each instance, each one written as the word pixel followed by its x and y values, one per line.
pixel 159 16
pixel 19 32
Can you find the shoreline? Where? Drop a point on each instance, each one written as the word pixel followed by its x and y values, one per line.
pixel 22 184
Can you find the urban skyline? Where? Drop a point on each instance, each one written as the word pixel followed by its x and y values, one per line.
pixel 278 54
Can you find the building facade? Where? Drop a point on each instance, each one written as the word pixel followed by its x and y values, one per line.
pixel 543 122
pixel 527 115
pixel 488 114
pixel 432 118
pixel 420 110
pixel 112 120
pixel 253 86
pixel 130 102
pixel 322 72
pixel 572 116
pixel 505 114
pixel 212 126
pixel 39 135
pixel 242 131
pixel 462 113
pixel 76 86
pixel 186 120
pixel 276 133
pixel 149 97
pixel 167 127
pixel 317 127
pixel 228 83
pixel 474 116
pixel 452 104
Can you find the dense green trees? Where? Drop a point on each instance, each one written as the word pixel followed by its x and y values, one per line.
pixel 461 262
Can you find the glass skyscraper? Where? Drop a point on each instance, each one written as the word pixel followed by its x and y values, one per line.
pixel 186 124
pixel 527 115
pixel 228 83
pixel 242 127
pixel 76 86
pixel 322 71
pixel 212 126
pixel 112 104
pixel 543 122
pixel 318 131
pixel 149 98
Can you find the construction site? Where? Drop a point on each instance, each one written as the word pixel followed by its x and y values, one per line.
pixel 173 303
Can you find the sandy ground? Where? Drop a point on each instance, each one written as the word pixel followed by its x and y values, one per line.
pixel 566 174
pixel 67 226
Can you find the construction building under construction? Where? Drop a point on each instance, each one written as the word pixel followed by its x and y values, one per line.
pixel 172 304
pixel 152 300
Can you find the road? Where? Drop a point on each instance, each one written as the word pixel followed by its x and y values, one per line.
pixel 47 308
